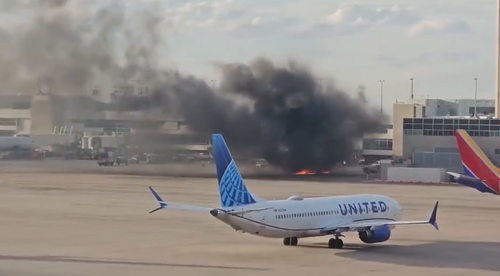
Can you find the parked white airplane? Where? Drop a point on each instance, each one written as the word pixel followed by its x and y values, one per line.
pixel 372 216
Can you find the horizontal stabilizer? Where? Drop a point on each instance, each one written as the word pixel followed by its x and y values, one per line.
pixel 456 175
pixel 164 204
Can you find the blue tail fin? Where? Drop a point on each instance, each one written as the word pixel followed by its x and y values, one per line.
pixel 232 189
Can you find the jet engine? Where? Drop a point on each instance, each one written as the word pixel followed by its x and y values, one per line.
pixel 381 234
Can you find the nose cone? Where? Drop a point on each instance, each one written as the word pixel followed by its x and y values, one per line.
pixel 214 212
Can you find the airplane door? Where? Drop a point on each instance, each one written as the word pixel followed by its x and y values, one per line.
pixel 264 218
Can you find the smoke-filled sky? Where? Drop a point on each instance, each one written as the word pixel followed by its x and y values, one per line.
pixel 68 47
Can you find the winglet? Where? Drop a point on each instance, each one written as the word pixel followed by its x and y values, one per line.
pixel 158 198
pixel 433 219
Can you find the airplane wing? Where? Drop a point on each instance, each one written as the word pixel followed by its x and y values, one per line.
pixel 164 205
pixel 372 225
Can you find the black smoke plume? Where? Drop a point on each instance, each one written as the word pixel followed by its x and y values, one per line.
pixel 281 112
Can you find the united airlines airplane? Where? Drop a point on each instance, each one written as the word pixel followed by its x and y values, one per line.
pixel 372 216
pixel 479 172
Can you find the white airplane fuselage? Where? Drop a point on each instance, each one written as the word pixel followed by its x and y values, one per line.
pixel 372 216
pixel 306 217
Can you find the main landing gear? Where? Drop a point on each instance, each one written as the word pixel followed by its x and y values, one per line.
pixel 332 243
pixel 335 243
pixel 290 241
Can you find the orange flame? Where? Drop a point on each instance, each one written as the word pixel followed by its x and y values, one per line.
pixel 310 172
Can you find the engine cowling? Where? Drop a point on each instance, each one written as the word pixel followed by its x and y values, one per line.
pixel 381 234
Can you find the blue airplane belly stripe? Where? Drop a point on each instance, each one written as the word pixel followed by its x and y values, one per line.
pixel 371 219
pixel 479 185
pixel 305 229
pixel 277 227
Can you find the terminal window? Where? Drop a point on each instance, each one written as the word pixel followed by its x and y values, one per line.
pixel 482 110
pixel 447 127
pixel 8 122
pixel 377 144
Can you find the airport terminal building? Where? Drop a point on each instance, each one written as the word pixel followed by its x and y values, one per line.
pixel 56 119
pixel 424 131
pixel 421 133
pixel 430 142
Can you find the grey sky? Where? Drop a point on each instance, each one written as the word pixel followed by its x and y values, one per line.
pixel 442 44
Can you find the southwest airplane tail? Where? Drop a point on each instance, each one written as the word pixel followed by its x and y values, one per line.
pixel 479 172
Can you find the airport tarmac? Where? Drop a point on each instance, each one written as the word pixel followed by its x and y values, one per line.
pixel 94 224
